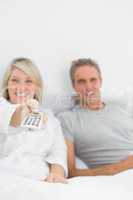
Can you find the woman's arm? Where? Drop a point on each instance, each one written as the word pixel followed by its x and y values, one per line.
pixel 31 105
pixel 110 169
pixel 19 115
pixel 57 157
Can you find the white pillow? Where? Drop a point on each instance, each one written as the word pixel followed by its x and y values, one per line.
pixel 123 97
pixel 80 164
pixel 58 103
pixel 62 102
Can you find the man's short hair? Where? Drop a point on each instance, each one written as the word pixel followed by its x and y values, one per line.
pixel 81 62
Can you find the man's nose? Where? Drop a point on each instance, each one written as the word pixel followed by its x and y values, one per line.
pixel 89 86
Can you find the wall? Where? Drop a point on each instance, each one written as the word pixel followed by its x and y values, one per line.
pixel 53 33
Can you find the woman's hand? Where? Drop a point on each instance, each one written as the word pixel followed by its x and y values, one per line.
pixel 56 178
pixel 19 115
pixel 56 174
pixel 31 105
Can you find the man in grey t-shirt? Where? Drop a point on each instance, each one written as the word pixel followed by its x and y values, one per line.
pixel 100 134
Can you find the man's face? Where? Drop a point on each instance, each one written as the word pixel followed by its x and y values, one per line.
pixel 87 83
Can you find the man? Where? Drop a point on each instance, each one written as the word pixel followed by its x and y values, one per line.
pixel 99 133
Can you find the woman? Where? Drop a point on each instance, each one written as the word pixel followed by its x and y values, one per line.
pixel 34 153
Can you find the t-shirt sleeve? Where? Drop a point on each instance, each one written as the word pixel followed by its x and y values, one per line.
pixel 66 125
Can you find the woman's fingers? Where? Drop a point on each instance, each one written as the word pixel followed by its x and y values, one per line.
pixel 56 179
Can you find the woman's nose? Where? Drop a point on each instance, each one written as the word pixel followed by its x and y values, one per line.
pixel 21 85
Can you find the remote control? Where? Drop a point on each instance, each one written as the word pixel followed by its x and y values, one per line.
pixel 33 121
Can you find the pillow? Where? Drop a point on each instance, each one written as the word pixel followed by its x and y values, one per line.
pixel 80 164
pixel 60 103
pixel 123 97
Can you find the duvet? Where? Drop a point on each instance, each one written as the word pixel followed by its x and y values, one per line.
pixel 119 187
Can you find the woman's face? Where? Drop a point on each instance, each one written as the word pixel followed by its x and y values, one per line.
pixel 20 87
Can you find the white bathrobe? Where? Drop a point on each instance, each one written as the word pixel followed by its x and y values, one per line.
pixel 28 153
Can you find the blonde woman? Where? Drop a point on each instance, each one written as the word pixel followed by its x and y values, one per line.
pixel 33 153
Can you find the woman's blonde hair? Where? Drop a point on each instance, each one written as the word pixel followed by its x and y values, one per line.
pixel 28 67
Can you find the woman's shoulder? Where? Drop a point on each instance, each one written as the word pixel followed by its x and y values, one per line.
pixel 3 101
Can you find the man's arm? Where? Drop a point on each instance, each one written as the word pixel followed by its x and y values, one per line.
pixel 110 169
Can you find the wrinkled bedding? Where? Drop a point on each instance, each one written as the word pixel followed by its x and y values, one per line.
pixel 119 187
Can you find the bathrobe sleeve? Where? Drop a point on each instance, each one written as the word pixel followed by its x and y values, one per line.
pixel 6 111
pixel 58 151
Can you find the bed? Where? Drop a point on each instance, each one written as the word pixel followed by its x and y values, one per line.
pixel 119 187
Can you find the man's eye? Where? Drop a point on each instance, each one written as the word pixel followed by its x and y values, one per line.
pixel 81 81
pixel 93 80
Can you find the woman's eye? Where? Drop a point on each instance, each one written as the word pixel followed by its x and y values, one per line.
pixel 28 81
pixel 14 80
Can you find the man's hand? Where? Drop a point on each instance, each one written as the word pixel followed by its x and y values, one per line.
pixel 128 162
pixel 108 169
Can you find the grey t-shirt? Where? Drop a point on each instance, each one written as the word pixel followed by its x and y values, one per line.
pixel 100 137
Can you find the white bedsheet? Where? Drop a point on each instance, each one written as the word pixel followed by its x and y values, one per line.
pixel 118 187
